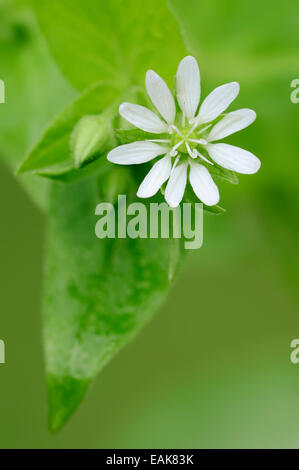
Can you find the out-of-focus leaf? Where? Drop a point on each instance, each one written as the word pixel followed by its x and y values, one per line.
pixel 116 41
pixel 99 293
pixel 34 90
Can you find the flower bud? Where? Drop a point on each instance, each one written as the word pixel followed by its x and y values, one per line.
pixel 90 138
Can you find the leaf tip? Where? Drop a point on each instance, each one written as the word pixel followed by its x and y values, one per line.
pixel 64 396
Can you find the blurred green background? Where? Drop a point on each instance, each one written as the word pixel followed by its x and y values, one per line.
pixel 213 368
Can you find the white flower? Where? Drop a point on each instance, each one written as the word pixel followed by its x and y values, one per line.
pixel 190 138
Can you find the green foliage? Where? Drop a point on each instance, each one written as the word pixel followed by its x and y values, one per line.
pixel 31 99
pixel 54 146
pixel 99 293
pixel 66 172
pixel 115 41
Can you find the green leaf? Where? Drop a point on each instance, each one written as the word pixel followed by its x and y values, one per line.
pixel 65 172
pixel 54 146
pixel 99 293
pixel 116 40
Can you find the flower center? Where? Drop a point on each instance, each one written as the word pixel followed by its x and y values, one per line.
pixel 187 141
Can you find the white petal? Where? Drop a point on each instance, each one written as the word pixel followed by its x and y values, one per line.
pixel 203 184
pixel 136 152
pixel 176 185
pixel 188 86
pixel 231 123
pixel 234 158
pixel 142 118
pixel 160 95
pixel 217 101
pixel 155 178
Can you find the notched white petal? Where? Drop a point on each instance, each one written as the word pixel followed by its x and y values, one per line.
pixel 160 95
pixel 135 153
pixel 188 86
pixel 203 184
pixel 142 118
pixel 231 123
pixel 234 158
pixel 176 185
pixel 155 178
pixel 217 101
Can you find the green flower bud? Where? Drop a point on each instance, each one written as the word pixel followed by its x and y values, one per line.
pixel 90 138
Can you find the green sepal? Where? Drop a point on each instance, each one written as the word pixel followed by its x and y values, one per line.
pixel 223 174
pixel 217 210
pixel 126 136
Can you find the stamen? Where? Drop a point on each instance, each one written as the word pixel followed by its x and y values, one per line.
pixel 173 152
pixel 196 123
pixel 204 158
pixel 200 141
pixel 176 130
pixel 191 153
pixel 200 130
pixel 204 129
pixel 175 162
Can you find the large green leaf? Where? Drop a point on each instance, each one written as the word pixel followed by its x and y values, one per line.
pixel 116 41
pixel 99 293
